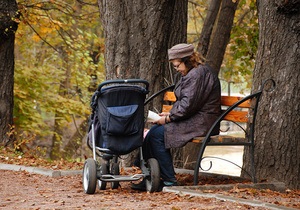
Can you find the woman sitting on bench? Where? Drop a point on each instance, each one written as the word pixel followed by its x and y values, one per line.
pixel 198 105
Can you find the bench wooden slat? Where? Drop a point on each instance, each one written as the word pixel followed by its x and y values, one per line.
pixel 169 96
pixel 237 116
pixel 225 100
pixel 230 100
pixel 166 108
pixel 221 139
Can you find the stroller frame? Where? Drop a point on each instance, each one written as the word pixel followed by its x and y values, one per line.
pixel 107 169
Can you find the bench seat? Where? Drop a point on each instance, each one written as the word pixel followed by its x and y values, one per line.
pixel 235 109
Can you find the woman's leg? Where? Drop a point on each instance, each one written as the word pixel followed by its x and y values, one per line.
pixel 156 144
pixel 147 151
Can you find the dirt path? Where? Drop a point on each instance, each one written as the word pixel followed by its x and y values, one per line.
pixel 22 190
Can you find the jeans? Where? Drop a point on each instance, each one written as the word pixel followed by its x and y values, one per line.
pixel 154 146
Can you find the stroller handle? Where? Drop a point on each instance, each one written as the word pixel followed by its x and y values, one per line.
pixel 120 81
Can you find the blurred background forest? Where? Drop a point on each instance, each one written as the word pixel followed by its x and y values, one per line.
pixel 59 61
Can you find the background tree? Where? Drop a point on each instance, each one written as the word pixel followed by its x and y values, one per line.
pixel 208 25
pixel 239 60
pixel 239 36
pixel 8 26
pixel 277 149
pixel 59 61
pixel 215 39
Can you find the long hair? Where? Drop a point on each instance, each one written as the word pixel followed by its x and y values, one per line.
pixel 193 60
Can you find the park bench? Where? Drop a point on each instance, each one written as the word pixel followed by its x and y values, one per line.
pixel 235 109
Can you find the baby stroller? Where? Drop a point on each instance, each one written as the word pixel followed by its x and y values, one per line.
pixel 116 128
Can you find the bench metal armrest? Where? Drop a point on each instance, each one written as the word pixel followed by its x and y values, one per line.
pixel 222 116
pixel 171 87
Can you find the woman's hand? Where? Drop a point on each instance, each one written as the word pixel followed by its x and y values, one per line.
pixel 161 121
pixel 164 114
pixel 164 118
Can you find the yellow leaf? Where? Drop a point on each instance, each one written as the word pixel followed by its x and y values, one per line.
pixel 36 38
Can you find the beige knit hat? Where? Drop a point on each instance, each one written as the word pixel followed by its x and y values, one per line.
pixel 180 51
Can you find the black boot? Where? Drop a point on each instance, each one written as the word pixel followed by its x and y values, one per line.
pixel 140 186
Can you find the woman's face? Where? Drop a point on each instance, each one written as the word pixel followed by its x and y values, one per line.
pixel 180 66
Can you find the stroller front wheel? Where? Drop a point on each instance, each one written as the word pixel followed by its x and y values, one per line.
pixel 89 178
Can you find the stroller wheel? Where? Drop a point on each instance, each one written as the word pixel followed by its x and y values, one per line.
pixel 89 178
pixel 103 170
pixel 153 181
pixel 115 171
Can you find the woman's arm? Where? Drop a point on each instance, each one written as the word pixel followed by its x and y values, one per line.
pixel 195 89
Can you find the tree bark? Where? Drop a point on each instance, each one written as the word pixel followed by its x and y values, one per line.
pixel 8 27
pixel 76 143
pixel 137 36
pixel 221 34
pixel 65 86
pixel 207 29
pixel 277 145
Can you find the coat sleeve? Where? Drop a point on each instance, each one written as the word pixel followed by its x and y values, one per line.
pixel 195 89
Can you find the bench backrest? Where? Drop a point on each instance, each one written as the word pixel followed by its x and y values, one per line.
pixel 240 115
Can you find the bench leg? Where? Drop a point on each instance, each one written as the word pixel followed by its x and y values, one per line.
pixel 197 166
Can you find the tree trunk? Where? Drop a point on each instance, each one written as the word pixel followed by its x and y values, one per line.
pixel 221 34
pixel 65 86
pixel 207 29
pixel 8 27
pixel 137 36
pixel 277 149
pixel 76 144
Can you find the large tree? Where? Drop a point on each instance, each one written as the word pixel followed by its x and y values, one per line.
pixel 8 27
pixel 277 139
pixel 137 36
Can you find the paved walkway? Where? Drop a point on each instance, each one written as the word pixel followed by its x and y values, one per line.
pixel 189 190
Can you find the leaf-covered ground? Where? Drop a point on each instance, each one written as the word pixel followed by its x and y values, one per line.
pixel 22 190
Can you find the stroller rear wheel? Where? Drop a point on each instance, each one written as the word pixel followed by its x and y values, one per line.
pixel 153 181
pixel 89 178
pixel 103 170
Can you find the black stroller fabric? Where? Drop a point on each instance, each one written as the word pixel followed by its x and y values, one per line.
pixel 119 118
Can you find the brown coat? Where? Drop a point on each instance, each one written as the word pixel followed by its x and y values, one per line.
pixel 197 107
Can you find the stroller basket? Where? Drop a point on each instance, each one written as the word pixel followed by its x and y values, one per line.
pixel 118 116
